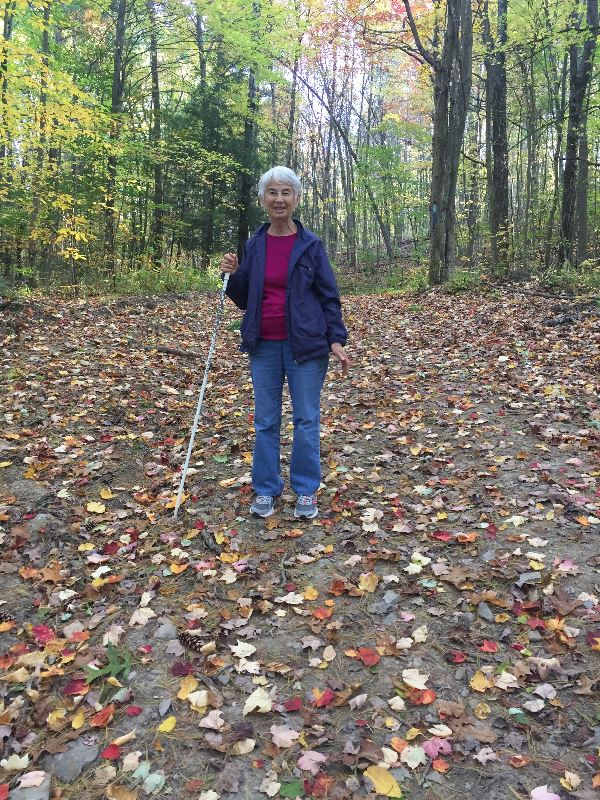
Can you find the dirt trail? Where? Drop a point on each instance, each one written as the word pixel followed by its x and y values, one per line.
pixel 439 618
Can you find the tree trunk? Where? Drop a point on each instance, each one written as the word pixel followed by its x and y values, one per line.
pixel 116 107
pixel 581 201
pixel 290 155
pixel 247 172
pixel 451 92
pixel 249 155
pixel 7 25
pixel 157 225
pixel 558 101
pixel 580 70
pixel 5 132
pixel 495 62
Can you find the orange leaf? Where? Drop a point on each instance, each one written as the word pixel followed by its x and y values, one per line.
pixel 322 612
pixel 79 636
pixel 177 569
pixel 28 572
pixel 440 765
pixel 398 744
pixel 596 781
pixel 323 699
pixel 6 626
pixel 519 761
pixel 465 538
pixel 338 587
pixel 102 718
pixel 368 656
pixel 420 697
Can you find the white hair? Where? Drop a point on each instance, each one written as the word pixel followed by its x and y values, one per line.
pixel 282 174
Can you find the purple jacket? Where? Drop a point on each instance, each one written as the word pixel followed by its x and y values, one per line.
pixel 313 309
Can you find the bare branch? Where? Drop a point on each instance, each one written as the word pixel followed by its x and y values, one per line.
pixel 413 27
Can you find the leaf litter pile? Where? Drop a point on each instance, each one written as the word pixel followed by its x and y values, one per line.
pixel 433 634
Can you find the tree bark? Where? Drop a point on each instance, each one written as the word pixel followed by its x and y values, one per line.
pixel 495 62
pixel 247 171
pixel 580 70
pixel 157 225
pixel 451 92
pixel 116 108
pixel 581 200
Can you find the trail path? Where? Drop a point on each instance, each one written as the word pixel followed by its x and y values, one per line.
pixel 435 630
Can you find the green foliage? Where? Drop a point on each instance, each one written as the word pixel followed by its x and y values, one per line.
pixel 119 663
pixel 417 282
pixel 168 279
pixel 570 280
pixel 462 281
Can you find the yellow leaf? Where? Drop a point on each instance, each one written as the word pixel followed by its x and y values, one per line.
pixel 177 569
pixel 187 686
pixel 571 781
pixel 368 581
pixel 5 463
pixel 78 720
pixel 56 719
pixel 480 682
pixel 537 565
pixel 106 494
pixel 412 733
pixel 125 739
pixel 167 725
pixel 310 593
pixel 18 676
pixel 115 792
pixel 173 501
pixel 219 537
pixel 86 547
pixel 482 711
pixel 96 508
pixel 383 782
pixel 500 618
pixel 230 558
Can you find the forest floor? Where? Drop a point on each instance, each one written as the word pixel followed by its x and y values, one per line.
pixel 434 632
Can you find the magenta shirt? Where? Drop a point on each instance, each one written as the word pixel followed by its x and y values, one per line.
pixel 279 249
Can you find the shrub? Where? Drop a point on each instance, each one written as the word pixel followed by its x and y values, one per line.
pixel 462 282
pixel 169 279
pixel 417 282
pixel 586 278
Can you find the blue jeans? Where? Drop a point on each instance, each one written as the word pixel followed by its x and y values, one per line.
pixel 272 362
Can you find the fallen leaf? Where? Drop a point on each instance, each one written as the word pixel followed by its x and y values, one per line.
pixel 167 725
pixel 383 781
pixel 311 761
pixel 258 701
pixel 283 736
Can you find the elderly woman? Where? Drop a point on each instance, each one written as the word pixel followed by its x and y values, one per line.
pixel 292 322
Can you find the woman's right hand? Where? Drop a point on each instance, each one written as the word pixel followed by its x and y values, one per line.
pixel 229 263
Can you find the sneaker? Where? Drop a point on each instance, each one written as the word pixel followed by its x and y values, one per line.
pixel 306 506
pixel 263 506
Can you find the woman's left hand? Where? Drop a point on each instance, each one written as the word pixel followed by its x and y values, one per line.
pixel 339 352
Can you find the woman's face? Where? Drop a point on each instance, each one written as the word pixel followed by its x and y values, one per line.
pixel 279 201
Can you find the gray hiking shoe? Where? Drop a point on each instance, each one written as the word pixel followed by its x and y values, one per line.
pixel 263 506
pixel 306 506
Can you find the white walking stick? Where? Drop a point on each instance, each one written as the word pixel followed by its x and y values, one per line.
pixel 211 350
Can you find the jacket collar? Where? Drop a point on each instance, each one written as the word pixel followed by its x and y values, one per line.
pixel 304 238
